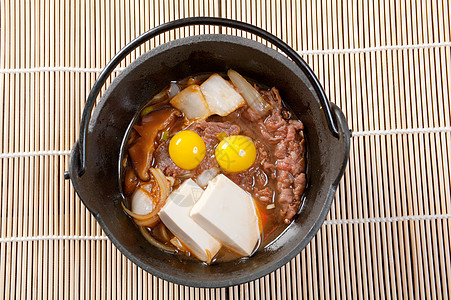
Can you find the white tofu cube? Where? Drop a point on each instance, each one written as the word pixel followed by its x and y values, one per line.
pixel 175 215
pixel 229 214
pixel 192 103
pixel 220 95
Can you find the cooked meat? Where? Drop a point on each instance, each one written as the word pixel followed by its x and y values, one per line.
pixel 289 154
pixel 207 131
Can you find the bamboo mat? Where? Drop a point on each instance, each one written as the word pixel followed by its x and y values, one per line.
pixel 387 64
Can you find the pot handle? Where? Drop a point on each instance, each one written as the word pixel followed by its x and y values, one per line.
pixel 295 57
pixel 342 146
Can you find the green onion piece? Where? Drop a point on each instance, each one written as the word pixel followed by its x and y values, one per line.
pixel 222 136
pixel 146 110
pixel 164 135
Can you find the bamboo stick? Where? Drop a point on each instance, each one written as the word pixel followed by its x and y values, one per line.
pixel 378 82
pixel 27 252
pixel 445 183
pixel 64 144
pixel 23 165
pixel 4 53
pixel 367 123
pixel 417 207
pixel 51 145
pixel 13 168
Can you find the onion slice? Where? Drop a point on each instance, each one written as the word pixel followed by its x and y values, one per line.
pixel 173 90
pixel 253 98
pixel 207 175
pixel 146 234
pixel 178 244
pixel 162 182
pixel 151 219
pixel 135 215
pixel 163 232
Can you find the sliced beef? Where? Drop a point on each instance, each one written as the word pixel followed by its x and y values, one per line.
pixel 289 154
pixel 207 131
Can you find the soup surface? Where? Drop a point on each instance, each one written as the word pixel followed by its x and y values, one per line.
pixel 257 143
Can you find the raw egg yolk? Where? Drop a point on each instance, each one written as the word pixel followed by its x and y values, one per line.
pixel 235 153
pixel 187 149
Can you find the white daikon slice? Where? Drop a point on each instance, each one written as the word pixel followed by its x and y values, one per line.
pixel 221 97
pixel 192 103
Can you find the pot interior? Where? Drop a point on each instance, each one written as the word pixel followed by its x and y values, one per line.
pixel 99 187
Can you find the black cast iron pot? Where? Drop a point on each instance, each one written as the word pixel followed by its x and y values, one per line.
pixel 95 158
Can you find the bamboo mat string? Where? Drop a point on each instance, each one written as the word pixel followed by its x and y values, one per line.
pixel 301 52
pixel 327 222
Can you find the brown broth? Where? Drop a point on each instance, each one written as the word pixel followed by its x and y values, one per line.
pixel 272 225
